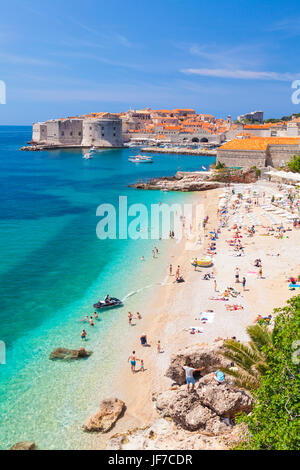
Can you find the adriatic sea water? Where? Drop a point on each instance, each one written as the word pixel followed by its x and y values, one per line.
pixel 53 268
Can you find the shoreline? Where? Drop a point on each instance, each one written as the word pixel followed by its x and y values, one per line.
pixel 177 150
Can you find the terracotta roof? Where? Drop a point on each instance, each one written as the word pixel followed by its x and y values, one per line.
pixel 258 143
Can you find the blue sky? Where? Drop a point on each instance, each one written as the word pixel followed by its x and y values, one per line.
pixel 61 58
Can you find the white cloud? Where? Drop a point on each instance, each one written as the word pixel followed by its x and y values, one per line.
pixel 241 74
pixel 16 59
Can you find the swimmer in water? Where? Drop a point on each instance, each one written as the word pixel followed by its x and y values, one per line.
pixel 96 315
pixel 91 321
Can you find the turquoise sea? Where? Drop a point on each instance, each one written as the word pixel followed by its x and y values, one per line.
pixel 53 268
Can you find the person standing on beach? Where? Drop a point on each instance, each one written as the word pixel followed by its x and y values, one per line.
pixel 195 263
pixel 215 284
pixel 189 375
pixel 237 275
pixel 170 269
pixel 129 318
pixel 177 273
pixel 244 283
pixel 259 274
pixel 158 347
pixel 132 360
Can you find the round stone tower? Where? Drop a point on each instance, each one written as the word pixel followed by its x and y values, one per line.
pixel 102 132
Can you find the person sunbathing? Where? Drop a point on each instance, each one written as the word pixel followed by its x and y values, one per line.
pixel 234 307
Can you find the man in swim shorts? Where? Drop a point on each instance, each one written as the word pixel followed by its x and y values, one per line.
pixel 189 375
pixel 132 360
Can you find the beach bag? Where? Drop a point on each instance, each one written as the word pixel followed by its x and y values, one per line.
pixel 220 376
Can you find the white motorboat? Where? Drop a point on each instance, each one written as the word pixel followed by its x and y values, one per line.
pixel 87 156
pixel 140 159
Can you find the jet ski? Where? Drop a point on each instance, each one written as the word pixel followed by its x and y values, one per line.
pixel 112 302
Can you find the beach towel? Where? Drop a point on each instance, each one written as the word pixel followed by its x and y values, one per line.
pixel 207 317
pixel 294 286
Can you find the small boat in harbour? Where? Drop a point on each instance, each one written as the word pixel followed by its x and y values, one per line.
pixel 140 159
pixel 87 156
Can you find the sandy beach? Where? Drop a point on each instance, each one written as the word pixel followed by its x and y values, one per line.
pixel 174 308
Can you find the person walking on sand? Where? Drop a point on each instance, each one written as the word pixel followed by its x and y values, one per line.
pixel 153 254
pixel 177 273
pixel 237 275
pixel 244 283
pixel 142 366
pixel 158 347
pixel 215 284
pixel 139 317
pixel 195 263
pixel 189 375
pixel 129 318
pixel 170 269
pixel 132 360
pixel 259 274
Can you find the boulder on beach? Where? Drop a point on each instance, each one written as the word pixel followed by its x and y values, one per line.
pixel 199 356
pixel 104 419
pixel 68 354
pixel 24 445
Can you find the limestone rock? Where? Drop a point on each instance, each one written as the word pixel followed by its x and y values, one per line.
pixel 24 445
pixel 187 411
pixel 224 399
pixel 104 419
pixel 164 435
pixel 68 354
pixel 205 356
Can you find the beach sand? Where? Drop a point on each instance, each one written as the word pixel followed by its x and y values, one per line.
pixel 175 307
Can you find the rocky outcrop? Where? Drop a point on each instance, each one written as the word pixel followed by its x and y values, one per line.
pixel 199 181
pixel 223 399
pixel 24 445
pixel 180 182
pixel 199 356
pixel 104 419
pixel 186 410
pixel 165 435
pixel 69 354
pixel 204 409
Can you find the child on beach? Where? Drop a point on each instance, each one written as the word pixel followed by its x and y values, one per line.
pixel 142 366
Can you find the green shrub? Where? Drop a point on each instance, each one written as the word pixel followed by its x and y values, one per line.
pixel 294 163
pixel 274 421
